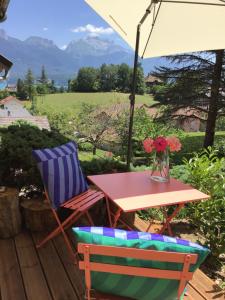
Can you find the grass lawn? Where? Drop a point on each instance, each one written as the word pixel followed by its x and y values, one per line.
pixel 65 101
pixel 88 156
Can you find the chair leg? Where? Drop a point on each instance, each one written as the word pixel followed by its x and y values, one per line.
pixel 89 218
pixel 68 244
pixel 108 212
pixel 58 230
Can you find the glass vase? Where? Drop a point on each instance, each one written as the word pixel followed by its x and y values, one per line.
pixel 160 167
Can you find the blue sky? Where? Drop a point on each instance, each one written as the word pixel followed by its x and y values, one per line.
pixel 60 21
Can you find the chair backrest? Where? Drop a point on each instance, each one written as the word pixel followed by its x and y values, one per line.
pixel 173 257
pixel 61 172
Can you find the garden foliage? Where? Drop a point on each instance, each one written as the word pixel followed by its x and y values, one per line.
pixel 18 169
pixel 206 172
pixel 16 143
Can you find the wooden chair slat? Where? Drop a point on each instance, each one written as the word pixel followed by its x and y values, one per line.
pixel 137 253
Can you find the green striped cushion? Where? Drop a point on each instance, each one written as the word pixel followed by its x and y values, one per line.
pixel 131 286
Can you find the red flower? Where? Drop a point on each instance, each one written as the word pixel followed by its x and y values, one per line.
pixel 160 144
pixel 109 154
pixel 173 143
pixel 148 145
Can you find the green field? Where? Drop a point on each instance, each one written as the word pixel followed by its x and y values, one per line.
pixel 65 101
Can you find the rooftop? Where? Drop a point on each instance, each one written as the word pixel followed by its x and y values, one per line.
pixel 40 121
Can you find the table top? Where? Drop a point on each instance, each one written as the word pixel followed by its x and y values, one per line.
pixel 134 191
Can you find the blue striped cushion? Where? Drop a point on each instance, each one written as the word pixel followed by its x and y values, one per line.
pixel 61 172
pixel 138 235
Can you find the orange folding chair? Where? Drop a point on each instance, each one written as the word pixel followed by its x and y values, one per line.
pixel 65 187
pixel 88 265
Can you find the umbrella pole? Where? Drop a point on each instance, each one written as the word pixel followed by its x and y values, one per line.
pixel 132 98
pixel 134 83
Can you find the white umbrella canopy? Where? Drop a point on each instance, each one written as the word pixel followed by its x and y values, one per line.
pixel 163 27
pixel 179 26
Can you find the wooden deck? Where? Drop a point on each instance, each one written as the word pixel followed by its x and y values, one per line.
pixel 30 274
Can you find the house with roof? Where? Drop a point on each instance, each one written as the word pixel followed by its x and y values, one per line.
pixel 12 107
pixel 151 80
pixel 12 110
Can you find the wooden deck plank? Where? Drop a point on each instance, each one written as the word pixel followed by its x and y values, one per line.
pixel 58 282
pixel 206 287
pixel 71 267
pixel 200 287
pixel 11 283
pixel 192 294
pixel 26 274
pixel 34 281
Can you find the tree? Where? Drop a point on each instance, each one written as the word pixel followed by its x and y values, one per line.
pixel 141 87
pixel 215 99
pixel 124 78
pixel 69 86
pixel 61 89
pixel 73 85
pixel 21 90
pixel 43 78
pixel 108 78
pixel 93 124
pixel 4 94
pixel 42 89
pixel 29 84
pixel 196 81
pixel 87 80
pixel 52 88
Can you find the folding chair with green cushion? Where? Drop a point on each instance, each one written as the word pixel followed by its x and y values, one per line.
pixel 137 265
pixel 65 187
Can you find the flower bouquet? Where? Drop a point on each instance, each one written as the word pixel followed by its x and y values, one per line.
pixel 160 149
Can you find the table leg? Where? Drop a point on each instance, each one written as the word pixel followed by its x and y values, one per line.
pixel 117 216
pixel 149 226
pixel 108 211
pixel 169 218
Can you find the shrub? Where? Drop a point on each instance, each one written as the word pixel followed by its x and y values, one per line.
pixel 17 141
pixel 206 172
pixel 102 165
pixel 144 126
pixel 220 123
pixel 220 147
pixel 193 142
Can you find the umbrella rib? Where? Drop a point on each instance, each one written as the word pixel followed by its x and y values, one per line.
pixel 153 24
pixel 194 2
pixel 118 25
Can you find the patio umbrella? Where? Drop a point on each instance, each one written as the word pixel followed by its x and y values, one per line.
pixel 163 27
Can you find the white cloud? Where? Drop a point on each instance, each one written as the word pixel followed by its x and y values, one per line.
pixel 63 47
pixel 93 30
pixel 45 28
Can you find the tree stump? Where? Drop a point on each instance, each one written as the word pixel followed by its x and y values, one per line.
pixel 10 217
pixel 37 215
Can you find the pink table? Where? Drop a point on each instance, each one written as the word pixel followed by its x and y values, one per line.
pixel 135 191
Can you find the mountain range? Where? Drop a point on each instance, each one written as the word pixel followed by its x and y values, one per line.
pixel 63 64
